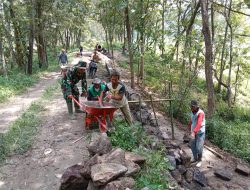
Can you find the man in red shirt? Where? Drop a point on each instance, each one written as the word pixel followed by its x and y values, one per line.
pixel 197 128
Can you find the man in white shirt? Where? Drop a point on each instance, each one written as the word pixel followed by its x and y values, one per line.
pixel 115 91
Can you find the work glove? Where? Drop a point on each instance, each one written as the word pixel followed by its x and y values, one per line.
pixel 70 96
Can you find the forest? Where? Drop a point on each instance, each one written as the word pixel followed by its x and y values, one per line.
pixel 191 49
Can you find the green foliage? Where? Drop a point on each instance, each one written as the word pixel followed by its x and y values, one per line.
pixel 21 133
pixel 15 84
pixel 230 136
pixel 236 113
pixel 154 173
pixel 124 136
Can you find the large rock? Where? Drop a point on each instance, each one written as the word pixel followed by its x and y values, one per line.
pixel 185 158
pixel 182 169
pixel 99 144
pixel 186 138
pixel 176 155
pixel 91 186
pixel 144 116
pixel 135 158
pixel 176 175
pixel 73 180
pixel 189 175
pixel 223 174
pixel 86 171
pixel 164 136
pixel 200 178
pixel 242 169
pixel 133 168
pixel 149 130
pixel 117 155
pixel 120 184
pixel 172 162
pixel 101 174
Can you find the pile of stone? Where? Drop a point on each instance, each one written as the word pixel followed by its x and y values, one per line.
pixel 182 171
pixel 107 168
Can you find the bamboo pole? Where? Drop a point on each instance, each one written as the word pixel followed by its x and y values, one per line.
pixel 156 100
pixel 171 108
pixel 153 109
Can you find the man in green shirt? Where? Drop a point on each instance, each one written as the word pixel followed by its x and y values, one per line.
pixel 95 89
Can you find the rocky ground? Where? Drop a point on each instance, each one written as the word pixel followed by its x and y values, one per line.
pixel 57 147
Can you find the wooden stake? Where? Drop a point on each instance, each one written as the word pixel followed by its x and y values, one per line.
pixel 157 100
pixel 214 152
pixel 153 109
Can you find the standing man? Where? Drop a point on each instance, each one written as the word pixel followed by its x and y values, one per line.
pixel 95 89
pixel 69 87
pixel 197 128
pixel 63 58
pixel 115 93
pixel 81 50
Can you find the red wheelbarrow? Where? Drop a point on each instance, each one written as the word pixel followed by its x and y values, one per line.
pixel 97 112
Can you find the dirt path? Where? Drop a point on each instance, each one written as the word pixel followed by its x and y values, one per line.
pixel 238 182
pixel 53 150
pixel 12 109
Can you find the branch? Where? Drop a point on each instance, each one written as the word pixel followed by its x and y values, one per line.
pixel 239 12
pixel 220 82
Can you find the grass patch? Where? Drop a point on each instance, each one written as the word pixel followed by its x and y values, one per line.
pixel 154 172
pixel 20 136
pixel 15 84
pixel 48 93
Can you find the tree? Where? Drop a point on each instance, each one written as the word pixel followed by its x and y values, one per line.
pixel 208 58
pixel 129 36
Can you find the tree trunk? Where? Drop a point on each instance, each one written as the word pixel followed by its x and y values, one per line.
pixel 236 83
pixel 162 27
pixel 178 30
pixel 229 91
pixel 208 58
pixel 124 38
pixel 7 32
pixel 2 60
pixel 223 60
pixel 41 49
pixel 18 38
pixel 78 39
pixel 31 38
pixel 61 38
pixel 128 27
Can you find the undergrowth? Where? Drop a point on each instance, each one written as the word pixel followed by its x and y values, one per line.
pixel 229 128
pixel 153 173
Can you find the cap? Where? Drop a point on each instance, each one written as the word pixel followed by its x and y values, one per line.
pixel 96 81
pixel 81 65
pixel 194 103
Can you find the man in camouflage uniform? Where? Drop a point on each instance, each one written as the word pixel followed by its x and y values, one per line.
pixel 69 87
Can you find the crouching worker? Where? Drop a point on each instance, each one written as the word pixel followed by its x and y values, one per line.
pixel 69 87
pixel 115 94
pixel 197 127
pixel 95 89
